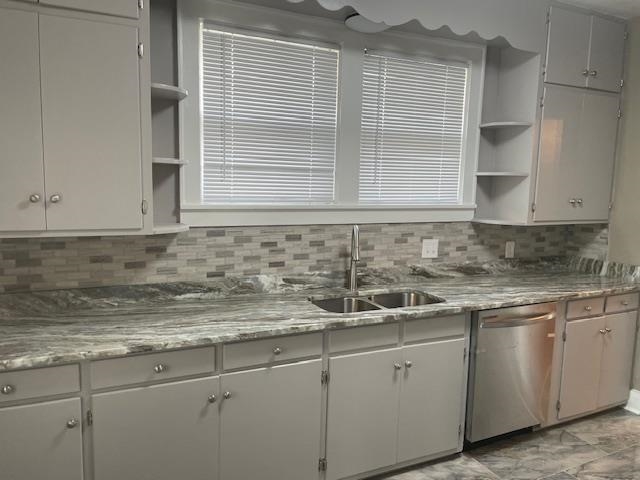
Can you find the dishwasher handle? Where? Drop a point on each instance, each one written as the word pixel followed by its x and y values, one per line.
pixel 516 321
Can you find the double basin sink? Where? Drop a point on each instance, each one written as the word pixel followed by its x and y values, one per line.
pixel 352 304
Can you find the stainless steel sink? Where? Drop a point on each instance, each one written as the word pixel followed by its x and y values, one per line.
pixel 345 305
pixel 410 298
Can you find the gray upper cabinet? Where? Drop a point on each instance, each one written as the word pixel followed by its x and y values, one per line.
pixel 568 47
pixel 362 418
pixel 160 432
pixel 270 423
pixel 576 155
pixel 22 178
pixel 429 413
pixel 91 124
pixel 41 441
pixel 584 50
pixel 122 8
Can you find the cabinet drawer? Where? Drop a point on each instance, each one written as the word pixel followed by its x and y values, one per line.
pixel 364 337
pixel 152 367
pixel 588 307
pixel 39 382
pixel 430 328
pixel 622 303
pixel 260 352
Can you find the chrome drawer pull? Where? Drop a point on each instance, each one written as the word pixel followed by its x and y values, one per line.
pixel 277 351
pixel 160 368
pixel 212 398
pixel 588 308
pixel 7 389
pixel 73 423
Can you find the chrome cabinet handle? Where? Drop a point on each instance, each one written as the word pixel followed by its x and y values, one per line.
pixel 55 198
pixel 227 395
pixel 160 368
pixel 608 330
pixel 585 73
pixel 588 308
pixel 397 366
pixel 7 389
pixel 603 331
pixel 277 351
pixel 573 202
pixel 593 73
pixel 212 398
pixel 73 423
pixel 579 201
pixel 408 364
pixel 624 303
pixel 34 198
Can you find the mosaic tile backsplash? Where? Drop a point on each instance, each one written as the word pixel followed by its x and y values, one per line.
pixel 205 253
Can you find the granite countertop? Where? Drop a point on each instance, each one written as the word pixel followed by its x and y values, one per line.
pixel 47 328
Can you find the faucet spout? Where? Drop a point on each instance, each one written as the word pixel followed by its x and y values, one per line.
pixel 355 258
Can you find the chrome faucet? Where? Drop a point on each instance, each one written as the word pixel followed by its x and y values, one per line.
pixel 355 258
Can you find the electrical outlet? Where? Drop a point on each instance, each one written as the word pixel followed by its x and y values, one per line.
pixel 510 249
pixel 430 248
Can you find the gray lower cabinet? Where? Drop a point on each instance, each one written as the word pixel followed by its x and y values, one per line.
pixel 392 406
pixel 597 364
pixel 45 441
pixel 362 417
pixel 270 423
pixel 430 399
pixel 159 432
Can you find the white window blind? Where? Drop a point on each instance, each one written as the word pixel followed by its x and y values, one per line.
pixel 413 118
pixel 268 120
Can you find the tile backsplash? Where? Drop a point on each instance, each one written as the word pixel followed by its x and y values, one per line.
pixel 204 253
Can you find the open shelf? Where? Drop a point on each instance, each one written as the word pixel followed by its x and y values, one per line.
pixel 490 221
pixel 169 161
pixel 167 228
pixel 502 174
pixel 168 92
pixel 494 125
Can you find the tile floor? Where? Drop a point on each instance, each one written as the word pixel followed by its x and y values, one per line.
pixel 602 447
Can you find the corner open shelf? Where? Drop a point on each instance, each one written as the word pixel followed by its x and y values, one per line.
pixel 169 161
pixel 495 125
pixel 503 174
pixel 168 228
pixel 168 92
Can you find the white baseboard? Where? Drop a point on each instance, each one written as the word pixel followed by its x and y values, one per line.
pixel 633 405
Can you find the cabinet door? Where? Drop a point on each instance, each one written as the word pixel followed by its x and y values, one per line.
pixel 606 59
pixel 362 416
pixel 581 367
pixel 270 424
pixel 91 124
pixel 122 8
pixel 36 442
pixel 568 47
pixel 617 358
pixel 161 432
pixel 20 123
pixel 431 399
pixel 577 149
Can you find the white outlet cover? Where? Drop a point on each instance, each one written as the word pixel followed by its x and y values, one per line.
pixel 510 249
pixel 430 248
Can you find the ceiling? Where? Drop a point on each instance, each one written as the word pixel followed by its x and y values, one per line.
pixel 621 8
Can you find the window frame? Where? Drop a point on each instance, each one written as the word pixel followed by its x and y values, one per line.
pixel 244 18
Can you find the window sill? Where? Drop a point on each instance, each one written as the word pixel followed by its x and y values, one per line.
pixel 247 215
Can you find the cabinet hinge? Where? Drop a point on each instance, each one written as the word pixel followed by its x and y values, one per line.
pixel 464 355
pixel 542 102
pixel 558 405
pixel 322 465
pixel 626 35
pixel 619 113
pixel 611 206
pixel 622 83
pixel 141 49
pixel 141 4
pixel 89 417
pixel 548 17
pixel 145 207
pixel 324 377
pixel 533 207
pixel 459 430
pixel 564 336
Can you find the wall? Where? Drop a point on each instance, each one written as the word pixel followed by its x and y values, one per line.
pixel 205 253
pixel 625 217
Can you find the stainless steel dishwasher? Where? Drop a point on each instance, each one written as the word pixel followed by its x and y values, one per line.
pixel 510 369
